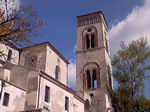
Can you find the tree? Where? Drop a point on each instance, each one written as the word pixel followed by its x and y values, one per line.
pixel 18 24
pixel 130 66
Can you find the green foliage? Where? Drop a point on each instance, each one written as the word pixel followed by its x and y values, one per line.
pixel 130 66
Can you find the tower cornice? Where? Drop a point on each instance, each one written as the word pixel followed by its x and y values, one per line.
pixel 87 19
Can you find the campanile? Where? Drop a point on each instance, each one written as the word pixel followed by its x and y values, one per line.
pixel 93 61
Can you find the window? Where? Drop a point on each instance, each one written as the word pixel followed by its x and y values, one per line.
pixel 91 76
pixel 109 78
pixel 87 42
pixel 110 82
pixel 94 79
pixel 88 80
pixel 91 79
pixel 9 55
pixel 57 73
pixel 90 39
pixel 66 103
pixel 6 99
pixel 106 44
pixel 47 94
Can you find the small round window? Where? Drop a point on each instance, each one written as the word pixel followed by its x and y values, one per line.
pixel 89 29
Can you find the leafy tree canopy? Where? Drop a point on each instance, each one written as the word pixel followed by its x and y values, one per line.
pixel 130 66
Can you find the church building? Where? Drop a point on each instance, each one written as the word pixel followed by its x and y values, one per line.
pixel 35 78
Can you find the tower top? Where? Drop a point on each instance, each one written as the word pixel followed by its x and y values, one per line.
pixel 91 18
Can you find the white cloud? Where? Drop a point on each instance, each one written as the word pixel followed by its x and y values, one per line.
pixel 136 24
pixel 72 74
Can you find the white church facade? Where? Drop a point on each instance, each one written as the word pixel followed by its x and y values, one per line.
pixel 35 78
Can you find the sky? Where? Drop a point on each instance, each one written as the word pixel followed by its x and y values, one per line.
pixel 127 20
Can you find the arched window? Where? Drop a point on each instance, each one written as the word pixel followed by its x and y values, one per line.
pixel 109 78
pixel 91 76
pixel 106 44
pixel 90 38
pixel 57 73
pixel 9 55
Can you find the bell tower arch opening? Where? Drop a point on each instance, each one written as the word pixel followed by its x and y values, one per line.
pixel 90 38
pixel 90 76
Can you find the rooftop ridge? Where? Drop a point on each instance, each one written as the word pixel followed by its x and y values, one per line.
pixel 51 46
pixel 88 14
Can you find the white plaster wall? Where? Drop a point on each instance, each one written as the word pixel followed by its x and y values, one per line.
pixel 108 103
pixel 78 106
pixel 16 100
pixel 15 53
pixel 52 62
pixel 57 98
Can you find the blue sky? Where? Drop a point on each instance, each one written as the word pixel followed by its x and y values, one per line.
pixel 127 20
pixel 60 16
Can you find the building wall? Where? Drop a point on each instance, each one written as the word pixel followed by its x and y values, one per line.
pixel 96 55
pixel 88 57
pixel 15 53
pixel 47 60
pixel 53 60
pixel 57 98
pixel 32 91
pixel 5 74
pixel 27 54
pixel 78 106
pixel 16 100
pixel 80 34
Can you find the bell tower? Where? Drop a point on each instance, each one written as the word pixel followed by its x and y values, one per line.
pixel 93 62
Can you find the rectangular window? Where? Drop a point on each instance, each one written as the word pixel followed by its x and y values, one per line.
pixel 66 103
pixel 6 99
pixel 47 94
pixel 9 55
